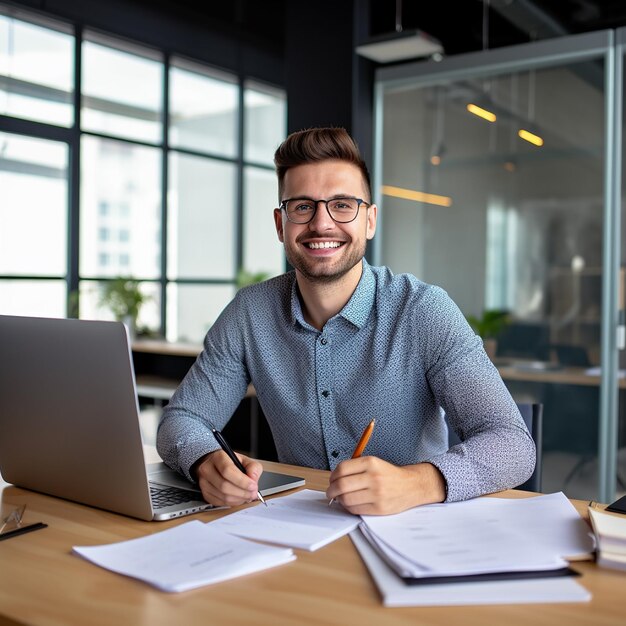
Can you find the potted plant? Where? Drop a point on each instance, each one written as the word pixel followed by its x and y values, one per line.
pixel 245 278
pixel 123 297
pixel 488 326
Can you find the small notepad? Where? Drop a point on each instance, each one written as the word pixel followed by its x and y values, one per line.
pixel 185 557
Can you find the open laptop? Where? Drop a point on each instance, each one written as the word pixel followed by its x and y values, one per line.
pixel 69 421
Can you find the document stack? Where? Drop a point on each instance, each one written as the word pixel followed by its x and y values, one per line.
pixel 488 550
pixel 610 533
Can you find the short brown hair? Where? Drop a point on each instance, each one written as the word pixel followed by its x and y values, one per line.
pixel 318 144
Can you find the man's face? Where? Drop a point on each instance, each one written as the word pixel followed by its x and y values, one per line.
pixel 346 242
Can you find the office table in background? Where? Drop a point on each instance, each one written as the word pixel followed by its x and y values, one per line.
pixel 545 373
pixel 161 365
pixel 41 583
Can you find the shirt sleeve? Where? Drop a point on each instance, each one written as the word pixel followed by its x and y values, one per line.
pixel 208 395
pixel 496 450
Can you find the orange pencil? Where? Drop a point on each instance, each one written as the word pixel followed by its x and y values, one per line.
pixel 358 451
pixel 365 437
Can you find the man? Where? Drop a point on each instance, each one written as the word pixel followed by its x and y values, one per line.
pixel 335 343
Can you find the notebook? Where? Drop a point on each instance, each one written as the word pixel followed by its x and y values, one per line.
pixel 69 421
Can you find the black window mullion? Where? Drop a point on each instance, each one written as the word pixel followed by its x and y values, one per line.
pixel 73 239
pixel 239 195
pixel 164 189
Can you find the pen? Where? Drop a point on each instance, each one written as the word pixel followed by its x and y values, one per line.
pixel 233 457
pixel 358 451
pixel 22 529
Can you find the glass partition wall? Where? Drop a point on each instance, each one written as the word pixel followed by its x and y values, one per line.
pixel 492 175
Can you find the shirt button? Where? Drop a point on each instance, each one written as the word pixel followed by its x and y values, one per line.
pixel 323 341
pixel 335 453
pixel 326 393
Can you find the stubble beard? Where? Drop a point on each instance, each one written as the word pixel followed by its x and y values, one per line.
pixel 319 271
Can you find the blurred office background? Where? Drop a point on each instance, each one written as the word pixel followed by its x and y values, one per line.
pixel 136 140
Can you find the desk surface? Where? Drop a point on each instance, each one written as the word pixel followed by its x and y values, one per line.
pixel 42 583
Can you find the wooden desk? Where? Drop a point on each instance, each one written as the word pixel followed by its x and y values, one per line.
pixel 41 583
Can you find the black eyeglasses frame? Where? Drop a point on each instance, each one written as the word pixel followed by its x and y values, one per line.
pixel 283 207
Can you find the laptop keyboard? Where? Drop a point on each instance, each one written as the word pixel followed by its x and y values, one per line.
pixel 169 496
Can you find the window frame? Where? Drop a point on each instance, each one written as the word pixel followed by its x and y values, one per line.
pixel 72 136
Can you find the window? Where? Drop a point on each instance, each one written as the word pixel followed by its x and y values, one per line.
pixel 201 218
pixel 180 203
pixel 33 218
pixel 203 111
pixel 36 71
pixel 193 308
pixel 122 92
pixel 262 250
pixel 265 111
pixel 127 179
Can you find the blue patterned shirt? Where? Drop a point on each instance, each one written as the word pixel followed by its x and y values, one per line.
pixel 399 351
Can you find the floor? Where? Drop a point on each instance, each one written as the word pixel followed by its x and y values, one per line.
pixel 578 477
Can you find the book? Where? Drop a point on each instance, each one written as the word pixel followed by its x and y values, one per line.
pixel 610 534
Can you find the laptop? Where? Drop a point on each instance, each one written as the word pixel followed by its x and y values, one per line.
pixel 69 421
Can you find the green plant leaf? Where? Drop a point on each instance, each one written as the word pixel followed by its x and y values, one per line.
pixel 490 324
pixel 123 297
pixel 245 278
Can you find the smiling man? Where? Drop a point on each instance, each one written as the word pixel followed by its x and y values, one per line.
pixel 335 343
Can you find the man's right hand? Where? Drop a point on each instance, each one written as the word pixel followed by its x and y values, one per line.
pixel 222 483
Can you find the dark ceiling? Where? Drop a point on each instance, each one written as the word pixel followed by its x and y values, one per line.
pixel 458 24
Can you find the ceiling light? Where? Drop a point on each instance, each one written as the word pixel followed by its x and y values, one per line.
pixel 480 112
pixel 417 196
pixel 400 46
pixel 530 137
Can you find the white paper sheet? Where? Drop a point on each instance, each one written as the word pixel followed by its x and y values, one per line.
pixel 185 557
pixel 300 520
pixel 395 592
pixel 480 536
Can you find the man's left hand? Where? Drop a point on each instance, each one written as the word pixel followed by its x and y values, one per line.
pixel 370 486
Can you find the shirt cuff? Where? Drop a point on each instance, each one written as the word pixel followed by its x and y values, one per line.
pixel 457 476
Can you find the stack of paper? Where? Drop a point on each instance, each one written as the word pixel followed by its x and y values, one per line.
pixel 300 520
pixel 185 557
pixel 396 592
pixel 488 539
pixel 610 532
pixel 481 536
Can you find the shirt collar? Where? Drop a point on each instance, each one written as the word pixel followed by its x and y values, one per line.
pixel 357 309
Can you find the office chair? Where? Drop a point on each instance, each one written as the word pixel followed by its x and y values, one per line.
pixel 533 418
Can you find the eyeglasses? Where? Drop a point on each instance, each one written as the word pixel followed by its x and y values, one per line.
pixel 13 519
pixel 341 210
